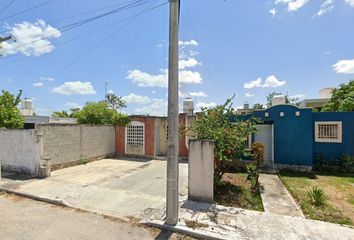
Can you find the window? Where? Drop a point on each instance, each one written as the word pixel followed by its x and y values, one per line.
pixel 135 134
pixel 328 132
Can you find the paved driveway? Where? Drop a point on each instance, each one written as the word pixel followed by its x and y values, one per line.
pixel 115 187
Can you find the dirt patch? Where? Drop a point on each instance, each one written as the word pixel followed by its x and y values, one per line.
pixel 12 197
pixel 195 224
pixel 234 191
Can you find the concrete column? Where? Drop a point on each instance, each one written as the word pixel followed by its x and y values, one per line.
pixel 201 170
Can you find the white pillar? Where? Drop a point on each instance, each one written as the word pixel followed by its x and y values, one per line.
pixel 201 170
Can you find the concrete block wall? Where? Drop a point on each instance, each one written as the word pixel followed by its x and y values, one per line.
pixel 69 143
pixel 20 150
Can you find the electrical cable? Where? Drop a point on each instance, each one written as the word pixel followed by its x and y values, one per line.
pixel 7 6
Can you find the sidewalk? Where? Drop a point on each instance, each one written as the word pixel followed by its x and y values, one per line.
pixel 219 222
pixel 276 198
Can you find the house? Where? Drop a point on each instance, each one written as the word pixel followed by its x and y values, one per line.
pixel 318 103
pixel 293 136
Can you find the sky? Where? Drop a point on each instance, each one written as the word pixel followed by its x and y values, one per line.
pixel 67 51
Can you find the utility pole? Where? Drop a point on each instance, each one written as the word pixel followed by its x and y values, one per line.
pixel 172 203
pixel 105 90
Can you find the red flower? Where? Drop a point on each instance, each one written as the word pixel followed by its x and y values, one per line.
pixel 229 152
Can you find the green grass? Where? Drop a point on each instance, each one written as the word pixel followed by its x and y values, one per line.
pixel 234 191
pixel 338 188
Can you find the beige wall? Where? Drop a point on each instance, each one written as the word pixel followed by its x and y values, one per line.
pixel 70 143
pixel 163 136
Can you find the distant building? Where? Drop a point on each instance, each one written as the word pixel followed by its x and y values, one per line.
pixel 318 103
pixel 27 111
pixel 245 110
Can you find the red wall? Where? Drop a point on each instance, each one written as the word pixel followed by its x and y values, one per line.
pixel 149 123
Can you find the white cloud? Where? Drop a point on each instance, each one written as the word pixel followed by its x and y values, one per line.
pixel 344 66
pixel 190 77
pixel 272 81
pixel 188 43
pixel 157 107
pixel 71 105
pixel 350 2
pixel 326 6
pixel 296 5
pixel 253 84
pixel 188 63
pixel 198 94
pixel 201 104
pixel 69 88
pixel 249 94
pixel 137 99
pixel 32 39
pixel 38 84
pixel 292 5
pixel 273 11
pixel 143 79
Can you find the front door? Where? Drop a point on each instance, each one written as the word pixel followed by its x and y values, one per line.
pixel 264 135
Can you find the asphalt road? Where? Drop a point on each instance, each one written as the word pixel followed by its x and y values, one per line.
pixel 25 219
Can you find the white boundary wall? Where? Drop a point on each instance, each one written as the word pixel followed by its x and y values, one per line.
pixel 20 150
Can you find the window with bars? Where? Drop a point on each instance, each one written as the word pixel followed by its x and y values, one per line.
pixel 328 132
pixel 135 135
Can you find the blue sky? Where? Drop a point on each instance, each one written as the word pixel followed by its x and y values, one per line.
pixel 249 48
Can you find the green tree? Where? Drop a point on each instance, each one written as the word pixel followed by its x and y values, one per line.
pixel 65 114
pixel 258 106
pixel 288 99
pixel 115 102
pixel 10 116
pixel 229 138
pixel 100 113
pixel 342 99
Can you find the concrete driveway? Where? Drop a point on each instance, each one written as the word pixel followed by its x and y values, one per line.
pixel 116 187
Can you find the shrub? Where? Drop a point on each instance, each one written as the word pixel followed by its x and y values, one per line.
pixel 257 152
pixel 229 137
pixel 252 175
pixel 317 196
pixel 344 163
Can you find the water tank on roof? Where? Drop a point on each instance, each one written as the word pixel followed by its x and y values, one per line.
pixel 326 92
pixel 188 106
pixel 27 107
pixel 278 100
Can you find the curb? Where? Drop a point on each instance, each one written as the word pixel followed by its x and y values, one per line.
pixel 184 230
pixel 30 196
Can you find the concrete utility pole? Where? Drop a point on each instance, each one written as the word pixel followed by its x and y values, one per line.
pixel 172 160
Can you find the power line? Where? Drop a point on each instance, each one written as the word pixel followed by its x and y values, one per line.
pixel 82 22
pixel 27 10
pixel 107 38
pixel 7 6
pixel 71 40
pixel 200 48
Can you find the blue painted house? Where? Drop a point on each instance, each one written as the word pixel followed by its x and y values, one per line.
pixel 294 136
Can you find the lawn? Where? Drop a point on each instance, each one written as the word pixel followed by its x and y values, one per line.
pixel 338 189
pixel 234 191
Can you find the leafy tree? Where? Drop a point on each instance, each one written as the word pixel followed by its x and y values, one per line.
pixel 288 99
pixel 10 116
pixel 342 99
pixel 115 102
pixel 229 138
pixel 65 114
pixel 258 106
pixel 100 113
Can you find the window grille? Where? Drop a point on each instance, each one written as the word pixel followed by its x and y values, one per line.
pixel 135 135
pixel 328 132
